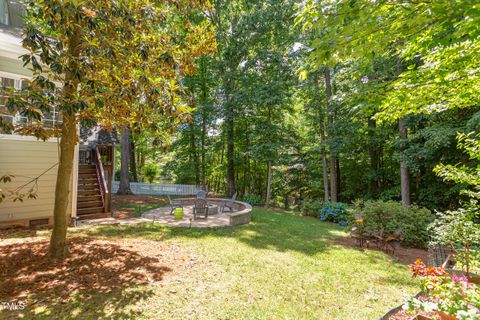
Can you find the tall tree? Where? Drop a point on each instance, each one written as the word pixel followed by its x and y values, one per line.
pixel 95 50
pixel 404 173
pixel 331 128
pixel 124 185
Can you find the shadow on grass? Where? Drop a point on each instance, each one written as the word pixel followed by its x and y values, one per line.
pixel 268 229
pixel 17 232
pixel 94 281
pixel 116 304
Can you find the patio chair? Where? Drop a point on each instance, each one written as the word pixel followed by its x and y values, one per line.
pixel 200 208
pixel 393 240
pixel 174 204
pixel 228 203
pixel 201 195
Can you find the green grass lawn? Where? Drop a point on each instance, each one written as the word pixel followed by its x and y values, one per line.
pixel 280 266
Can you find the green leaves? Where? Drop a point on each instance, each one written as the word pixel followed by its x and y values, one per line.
pixel 440 37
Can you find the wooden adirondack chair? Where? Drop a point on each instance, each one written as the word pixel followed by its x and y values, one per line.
pixel 228 204
pixel 200 209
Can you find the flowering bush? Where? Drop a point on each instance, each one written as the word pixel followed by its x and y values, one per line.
pixel 453 295
pixel 336 212
pixel 428 275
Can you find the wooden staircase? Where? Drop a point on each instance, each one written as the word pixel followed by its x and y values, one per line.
pixel 90 202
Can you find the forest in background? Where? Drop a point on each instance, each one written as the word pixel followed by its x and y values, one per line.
pixel 351 100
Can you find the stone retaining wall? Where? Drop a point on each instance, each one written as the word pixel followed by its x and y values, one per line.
pixel 242 213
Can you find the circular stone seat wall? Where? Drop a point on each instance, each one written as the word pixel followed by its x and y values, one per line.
pixel 241 214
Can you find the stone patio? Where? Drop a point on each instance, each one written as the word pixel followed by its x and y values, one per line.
pixel 241 215
pixel 162 215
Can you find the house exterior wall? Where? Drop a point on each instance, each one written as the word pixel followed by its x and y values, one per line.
pixel 26 158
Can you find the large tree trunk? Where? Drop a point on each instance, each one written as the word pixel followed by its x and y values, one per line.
pixel 194 155
pixel 133 162
pixel 339 176
pixel 333 158
pixel 58 246
pixel 204 101
pixel 269 184
pixel 248 177
pixel 58 240
pixel 230 154
pixel 374 154
pixel 404 174
pixel 326 193
pixel 203 151
pixel 124 187
pixel 323 141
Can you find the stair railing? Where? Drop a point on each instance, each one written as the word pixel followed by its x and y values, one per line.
pixel 102 182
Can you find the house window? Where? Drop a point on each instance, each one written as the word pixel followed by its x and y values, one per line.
pixel 4 16
pixel 7 120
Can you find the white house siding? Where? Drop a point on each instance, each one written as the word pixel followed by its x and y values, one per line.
pixel 26 158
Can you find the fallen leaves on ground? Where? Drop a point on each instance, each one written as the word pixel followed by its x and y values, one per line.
pixel 92 264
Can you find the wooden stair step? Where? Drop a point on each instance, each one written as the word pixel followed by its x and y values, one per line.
pixel 88 186
pixel 88 192
pixel 83 198
pixel 82 211
pixel 93 216
pixel 87 166
pixel 89 204
pixel 86 172
pixel 87 179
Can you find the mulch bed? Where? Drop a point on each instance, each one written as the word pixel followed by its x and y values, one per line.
pixel 404 255
pixel 92 264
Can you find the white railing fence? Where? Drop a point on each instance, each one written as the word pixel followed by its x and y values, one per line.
pixel 159 189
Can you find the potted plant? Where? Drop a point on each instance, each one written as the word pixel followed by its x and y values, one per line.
pixel 178 213
pixel 453 297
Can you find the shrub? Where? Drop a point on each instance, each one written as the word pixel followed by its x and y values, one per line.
pixel 151 171
pixel 390 215
pixel 336 212
pixel 459 230
pixel 310 207
pixel 252 199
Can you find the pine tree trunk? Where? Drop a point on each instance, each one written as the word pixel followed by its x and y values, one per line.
pixel 230 155
pixel 203 151
pixel 374 158
pixel 326 193
pixel 58 240
pixel 133 162
pixel 194 155
pixel 333 158
pixel 323 141
pixel 269 184
pixel 404 173
pixel 339 176
pixel 124 186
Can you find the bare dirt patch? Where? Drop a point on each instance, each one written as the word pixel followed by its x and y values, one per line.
pixel 404 255
pixel 92 264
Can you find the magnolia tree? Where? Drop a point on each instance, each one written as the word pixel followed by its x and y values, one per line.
pixel 112 62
